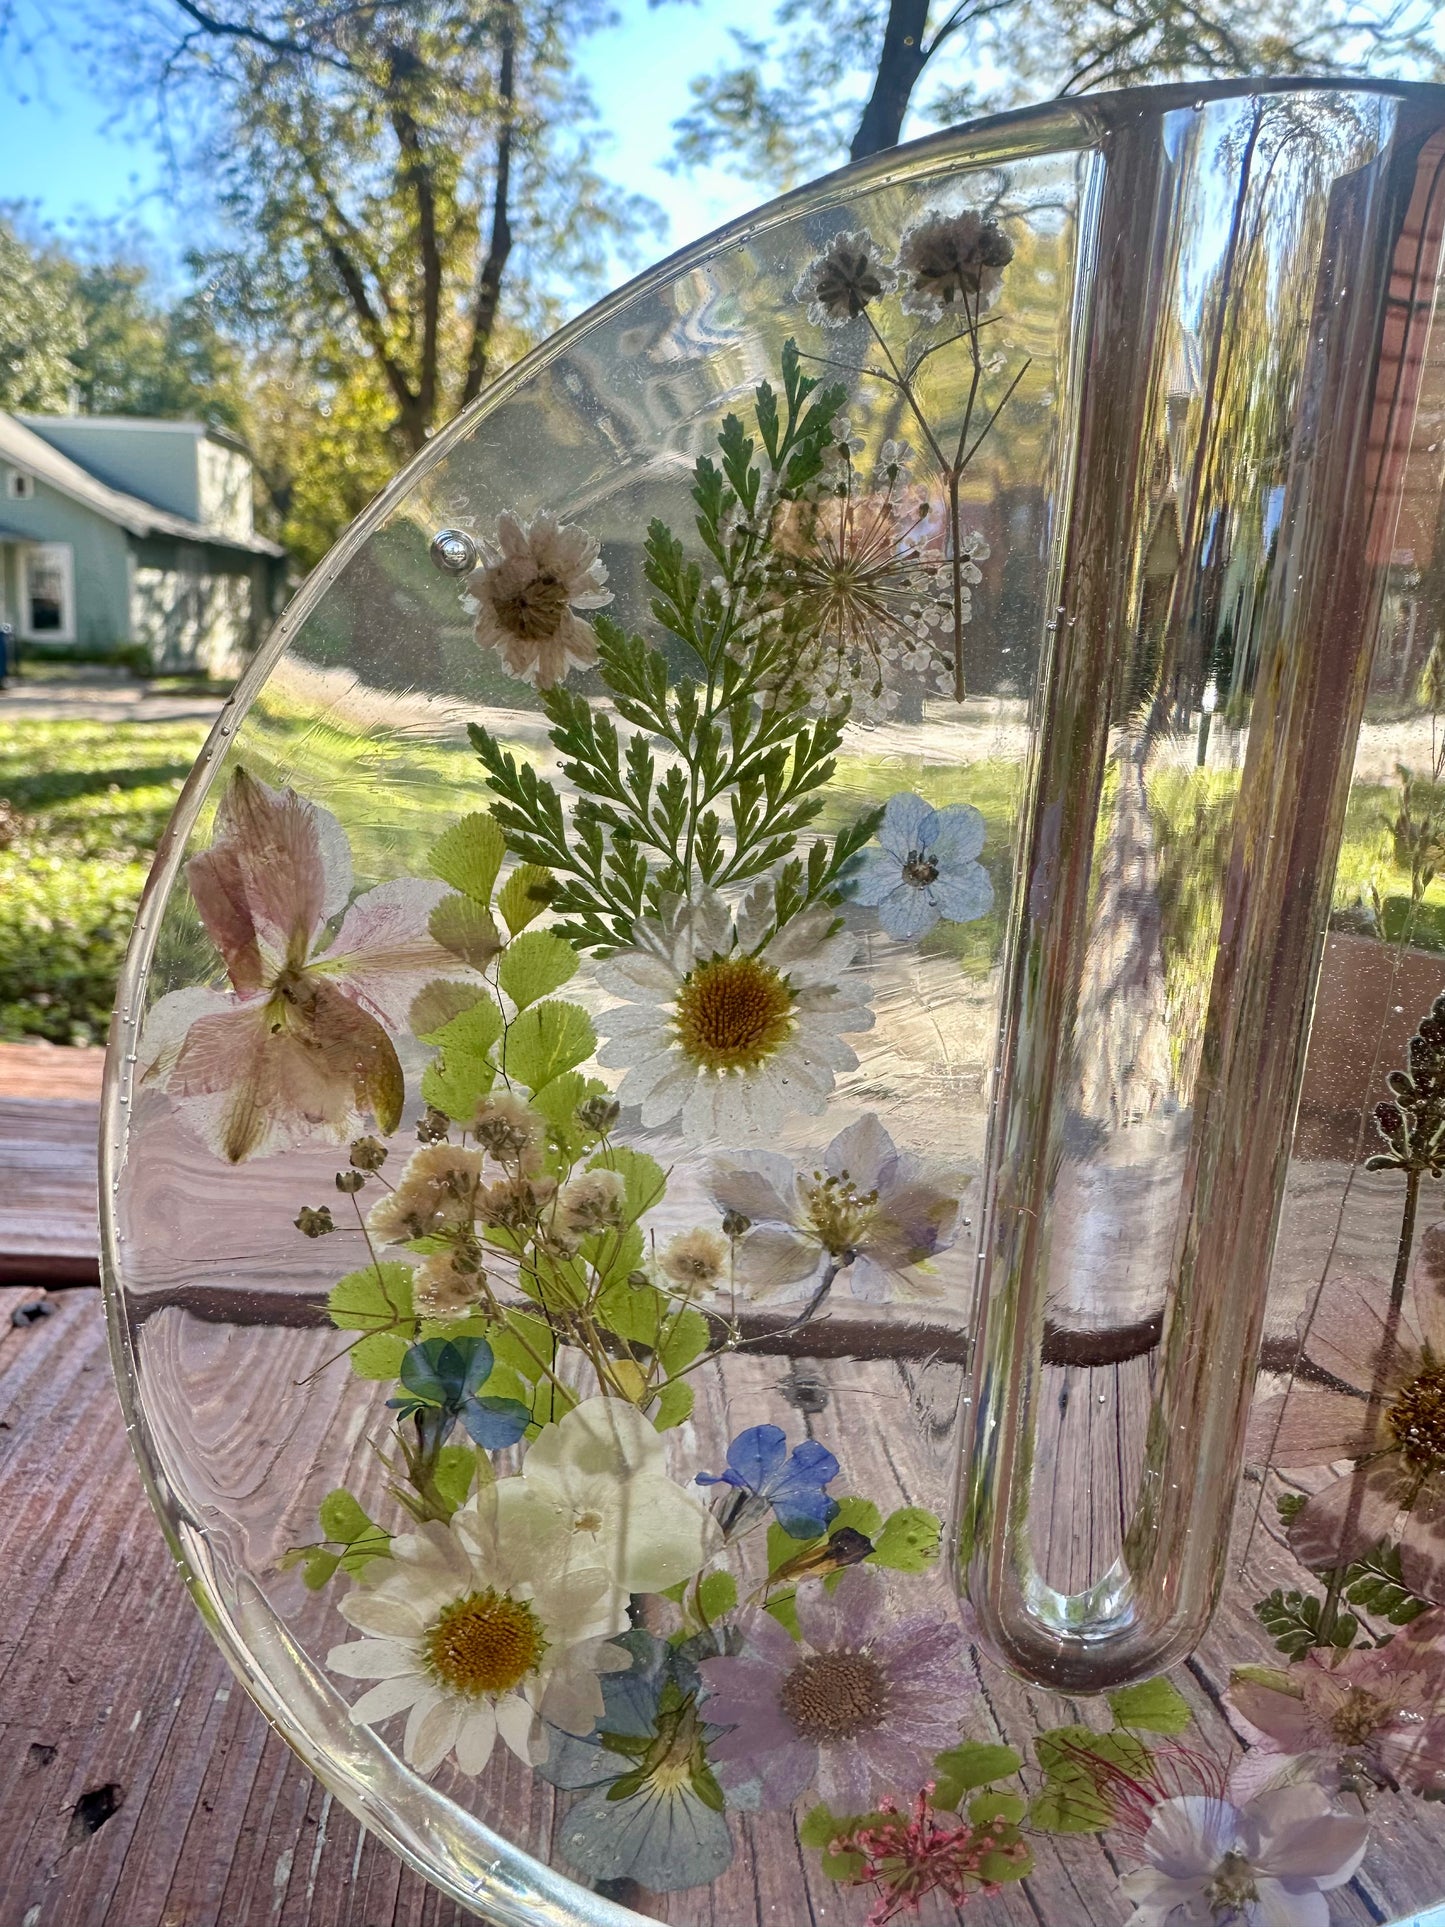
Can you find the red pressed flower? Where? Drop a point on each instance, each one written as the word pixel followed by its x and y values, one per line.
pixel 909 1856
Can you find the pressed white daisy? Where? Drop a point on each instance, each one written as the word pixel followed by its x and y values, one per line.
pixel 726 1032
pixel 472 1633
pixel 532 582
pixel 594 1491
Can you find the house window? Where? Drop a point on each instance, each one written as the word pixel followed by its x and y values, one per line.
pixel 19 486
pixel 48 593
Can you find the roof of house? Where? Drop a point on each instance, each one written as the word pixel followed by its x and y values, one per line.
pixel 31 452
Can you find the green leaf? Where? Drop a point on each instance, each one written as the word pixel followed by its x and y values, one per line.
pixel 1377 1585
pixel 525 895
pixel 469 855
pixel 1153 1706
pixel 1075 1798
pixel 818 1828
pixel 908 1541
pixel 643 1179
pixel 466 930
pixel 377 1302
pixel 998 1867
pixel 975 1764
pixel 674 1405
pixel 686 1337
pixel 1293 1621
pixel 343 1518
pixel 987 1808
pixel 534 965
pixel 456 1467
pixel 784 1608
pixel 522 1341
pixel 435 1005
pixel 717 1595
pixel 457 1085
pixel 546 1040
pixel 460 1077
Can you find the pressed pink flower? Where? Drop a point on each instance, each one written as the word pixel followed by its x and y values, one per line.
pixel 300 1042
pixel 1391 1422
pixel 859 1705
pixel 909 1856
pixel 1382 1706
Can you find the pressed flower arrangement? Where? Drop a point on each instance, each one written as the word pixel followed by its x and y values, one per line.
pixel 635 1062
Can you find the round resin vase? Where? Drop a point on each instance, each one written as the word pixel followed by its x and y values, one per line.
pixel 774 1168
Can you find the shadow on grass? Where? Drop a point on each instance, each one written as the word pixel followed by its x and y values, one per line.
pixel 66 786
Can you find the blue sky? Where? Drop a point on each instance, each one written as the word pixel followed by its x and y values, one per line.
pixel 63 148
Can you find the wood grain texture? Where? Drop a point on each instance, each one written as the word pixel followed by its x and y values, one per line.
pixel 109 1680
pixel 48 1226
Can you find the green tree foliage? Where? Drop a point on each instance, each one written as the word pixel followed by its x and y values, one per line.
pixel 41 328
pixel 408 189
pixel 86 330
pixel 838 78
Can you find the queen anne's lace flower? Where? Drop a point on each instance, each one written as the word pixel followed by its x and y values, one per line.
pixel 952 263
pixel 864 589
pixel 527 592
pixel 301 1042
pixel 724 1030
pixel 870 1211
pixel 847 277
pixel 436 1196
pixel 472 1633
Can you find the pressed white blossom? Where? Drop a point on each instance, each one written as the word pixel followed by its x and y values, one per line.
pixel 845 279
pixel 952 263
pixel 594 1491
pixel 435 1196
pixel 527 592
pixel 694 1260
pixel 471 1632
pixel 872 1213
pixel 1266 1863
pixel 446 1284
pixel 726 1031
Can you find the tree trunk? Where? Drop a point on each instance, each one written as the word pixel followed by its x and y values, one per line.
pixel 901 62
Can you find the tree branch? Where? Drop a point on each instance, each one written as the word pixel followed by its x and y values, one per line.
pixel 900 62
pixel 499 244
pixel 417 175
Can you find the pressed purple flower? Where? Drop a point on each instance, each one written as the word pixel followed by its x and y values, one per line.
pixel 858 1706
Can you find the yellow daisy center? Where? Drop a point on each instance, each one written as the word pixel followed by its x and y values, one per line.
pixel 535 610
pixel 1416 1419
pixel 835 1696
pixel 733 1014
pixel 487 1642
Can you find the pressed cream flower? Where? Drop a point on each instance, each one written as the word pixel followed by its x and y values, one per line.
pixel 435 1197
pixel 472 1634
pixel 727 1032
pixel 527 593
pixel 694 1260
pixel 952 263
pixel 594 1491
pixel 847 277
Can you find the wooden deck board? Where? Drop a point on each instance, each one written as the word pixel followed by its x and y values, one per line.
pixel 108 1678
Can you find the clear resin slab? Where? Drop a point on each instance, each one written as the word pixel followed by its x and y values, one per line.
pixel 742 1286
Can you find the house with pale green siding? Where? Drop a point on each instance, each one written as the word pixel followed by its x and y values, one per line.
pixel 120 536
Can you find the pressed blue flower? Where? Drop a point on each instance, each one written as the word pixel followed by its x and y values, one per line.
pixel 651 1810
pixel 442 1380
pixel 925 867
pixel 761 1468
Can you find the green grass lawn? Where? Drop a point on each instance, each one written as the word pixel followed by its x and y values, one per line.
pixel 82 806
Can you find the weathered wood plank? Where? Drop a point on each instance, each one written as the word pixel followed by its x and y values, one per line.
pixel 48 1226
